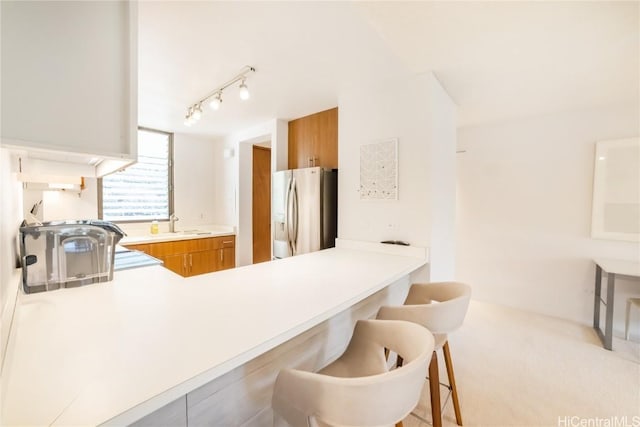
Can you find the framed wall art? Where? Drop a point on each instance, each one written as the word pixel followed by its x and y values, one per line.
pixel 379 170
pixel 615 213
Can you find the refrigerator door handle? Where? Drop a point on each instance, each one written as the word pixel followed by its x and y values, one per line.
pixel 288 219
pixel 295 215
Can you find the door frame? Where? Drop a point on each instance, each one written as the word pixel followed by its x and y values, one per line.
pixel 273 132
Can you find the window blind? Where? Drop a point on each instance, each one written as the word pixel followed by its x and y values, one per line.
pixel 141 192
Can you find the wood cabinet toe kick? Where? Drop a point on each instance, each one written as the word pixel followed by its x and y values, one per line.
pixel 191 257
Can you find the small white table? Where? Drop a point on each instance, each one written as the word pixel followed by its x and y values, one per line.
pixel 612 268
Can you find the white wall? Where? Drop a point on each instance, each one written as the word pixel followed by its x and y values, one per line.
pixel 10 219
pixel 60 205
pixel 196 194
pixel 421 115
pixel 524 211
pixel 225 183
pixel 442 177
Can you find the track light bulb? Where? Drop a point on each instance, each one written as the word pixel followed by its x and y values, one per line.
pixel 188 118
pixel 197 113
pixel 215 102
pixel 244 91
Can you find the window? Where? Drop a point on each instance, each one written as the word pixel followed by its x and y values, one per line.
pixel 144 190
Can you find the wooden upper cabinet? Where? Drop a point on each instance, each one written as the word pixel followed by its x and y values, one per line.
pixel 313 140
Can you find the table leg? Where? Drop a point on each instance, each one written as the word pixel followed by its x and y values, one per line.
pixel 608 328
pixel 597 297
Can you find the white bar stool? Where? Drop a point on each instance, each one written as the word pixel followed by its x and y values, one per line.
pixel 440 307
pixel 358 389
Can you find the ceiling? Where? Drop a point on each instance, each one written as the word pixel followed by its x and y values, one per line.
pixel 497 60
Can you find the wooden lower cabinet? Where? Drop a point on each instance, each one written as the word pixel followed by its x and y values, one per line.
pixel 227 258
pixel 175 263
pixel 194 256
pixel 226 253
pixel 201 263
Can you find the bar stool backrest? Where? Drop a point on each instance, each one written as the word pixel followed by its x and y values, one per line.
pixel 307 398
pixel 440 306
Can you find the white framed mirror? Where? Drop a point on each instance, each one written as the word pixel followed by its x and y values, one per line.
pixel 616 190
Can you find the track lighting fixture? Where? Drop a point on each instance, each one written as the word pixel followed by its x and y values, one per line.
pixel 214 98
pixel 197 112
pixel 244 91
pixel 189 119
pixel 216 101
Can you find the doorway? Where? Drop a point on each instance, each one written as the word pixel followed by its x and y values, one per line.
pixel 261 204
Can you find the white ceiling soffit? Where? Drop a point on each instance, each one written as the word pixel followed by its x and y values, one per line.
pixel 305 53
pixel 500 60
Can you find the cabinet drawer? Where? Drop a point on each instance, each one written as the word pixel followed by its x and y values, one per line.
pixel 225 242
pixel 197 245
pixel 191 245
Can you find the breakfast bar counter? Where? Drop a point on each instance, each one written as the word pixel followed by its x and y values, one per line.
pixel 115 352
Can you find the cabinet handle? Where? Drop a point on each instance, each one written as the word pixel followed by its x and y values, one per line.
pixel 184 263
pixel 190 260
pixel 221 255
pixel 224 242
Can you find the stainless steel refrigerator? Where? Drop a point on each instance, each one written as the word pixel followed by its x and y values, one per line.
pixel 305 210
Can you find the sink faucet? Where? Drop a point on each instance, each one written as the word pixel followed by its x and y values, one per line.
pixel 172 223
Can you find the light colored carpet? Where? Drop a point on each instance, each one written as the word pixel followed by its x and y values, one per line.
pixel 515 368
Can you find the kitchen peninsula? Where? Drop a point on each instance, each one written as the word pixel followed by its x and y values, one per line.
pixel 113 353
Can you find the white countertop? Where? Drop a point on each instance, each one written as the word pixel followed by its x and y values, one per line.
pixel 113 352
pixel 196 232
